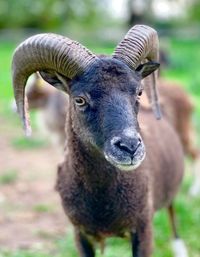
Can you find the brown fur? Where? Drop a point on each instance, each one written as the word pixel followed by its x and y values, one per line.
pixel 51 105
pixel 102 201
pixel 177 108
pixel 38 92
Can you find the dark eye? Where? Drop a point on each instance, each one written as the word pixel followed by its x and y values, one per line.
pixel 140 93
pixel 80 101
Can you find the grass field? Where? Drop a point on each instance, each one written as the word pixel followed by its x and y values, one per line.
pixel 185 63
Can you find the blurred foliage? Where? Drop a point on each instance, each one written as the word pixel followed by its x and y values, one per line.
pixel 144 12
pixel 194 11
pixel 48 14
pixel 87 15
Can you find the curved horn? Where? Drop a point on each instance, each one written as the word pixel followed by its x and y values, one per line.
pixel 140 43
pixel 46 52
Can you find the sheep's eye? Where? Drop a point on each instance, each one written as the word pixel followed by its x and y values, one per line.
pixel 80 101
pixel 138 96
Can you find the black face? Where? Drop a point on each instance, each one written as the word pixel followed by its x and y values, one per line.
pixel 105 107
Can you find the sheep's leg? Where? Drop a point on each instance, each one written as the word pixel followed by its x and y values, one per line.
pixel 135 243
pixel 195 188
pixel 142 240
pixel 84 246
pixel 178 245
pixel 172 220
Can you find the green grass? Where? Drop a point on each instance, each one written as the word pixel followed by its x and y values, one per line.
pixel 185 63
pixel 42 208
pixel 8 177
pixel 24 143
pixel 6 50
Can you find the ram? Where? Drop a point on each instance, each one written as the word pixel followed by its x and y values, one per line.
pixel 121 164
pixel 176 106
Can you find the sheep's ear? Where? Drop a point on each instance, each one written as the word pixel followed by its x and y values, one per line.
pixel 56 80
pixel 147 68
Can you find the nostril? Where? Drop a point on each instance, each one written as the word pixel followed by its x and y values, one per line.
pixel 130 146
pixel 124 147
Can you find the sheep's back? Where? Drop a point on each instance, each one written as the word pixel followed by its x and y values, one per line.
pixel 164 158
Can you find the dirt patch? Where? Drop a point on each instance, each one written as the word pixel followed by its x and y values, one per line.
pixel 31 215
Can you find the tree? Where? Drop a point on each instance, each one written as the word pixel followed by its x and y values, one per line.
pixel 139 12
pixel 47 14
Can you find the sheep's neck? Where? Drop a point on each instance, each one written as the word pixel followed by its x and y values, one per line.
pixel 96 168
pixel 90 165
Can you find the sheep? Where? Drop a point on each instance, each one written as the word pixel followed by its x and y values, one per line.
pixel 176 106
pixel 51 109
pixel 119 162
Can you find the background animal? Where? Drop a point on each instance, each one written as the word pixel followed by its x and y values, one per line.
pixel 51 109
pixel 118 167
pixel 177 107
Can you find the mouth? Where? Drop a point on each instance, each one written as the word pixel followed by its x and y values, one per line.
pixel 125 162
pixel 131 166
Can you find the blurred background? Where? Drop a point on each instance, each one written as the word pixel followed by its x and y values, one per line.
pixel 32 222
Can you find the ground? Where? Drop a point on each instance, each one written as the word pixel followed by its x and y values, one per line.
pixel 31 212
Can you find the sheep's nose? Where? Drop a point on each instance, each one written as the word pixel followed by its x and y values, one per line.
pixel 128 145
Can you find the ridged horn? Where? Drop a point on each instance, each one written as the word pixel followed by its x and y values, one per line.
pixel 46 52
pixel 141 43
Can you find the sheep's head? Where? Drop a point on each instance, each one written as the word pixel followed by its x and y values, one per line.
pixel 105 106
pixel 103 91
